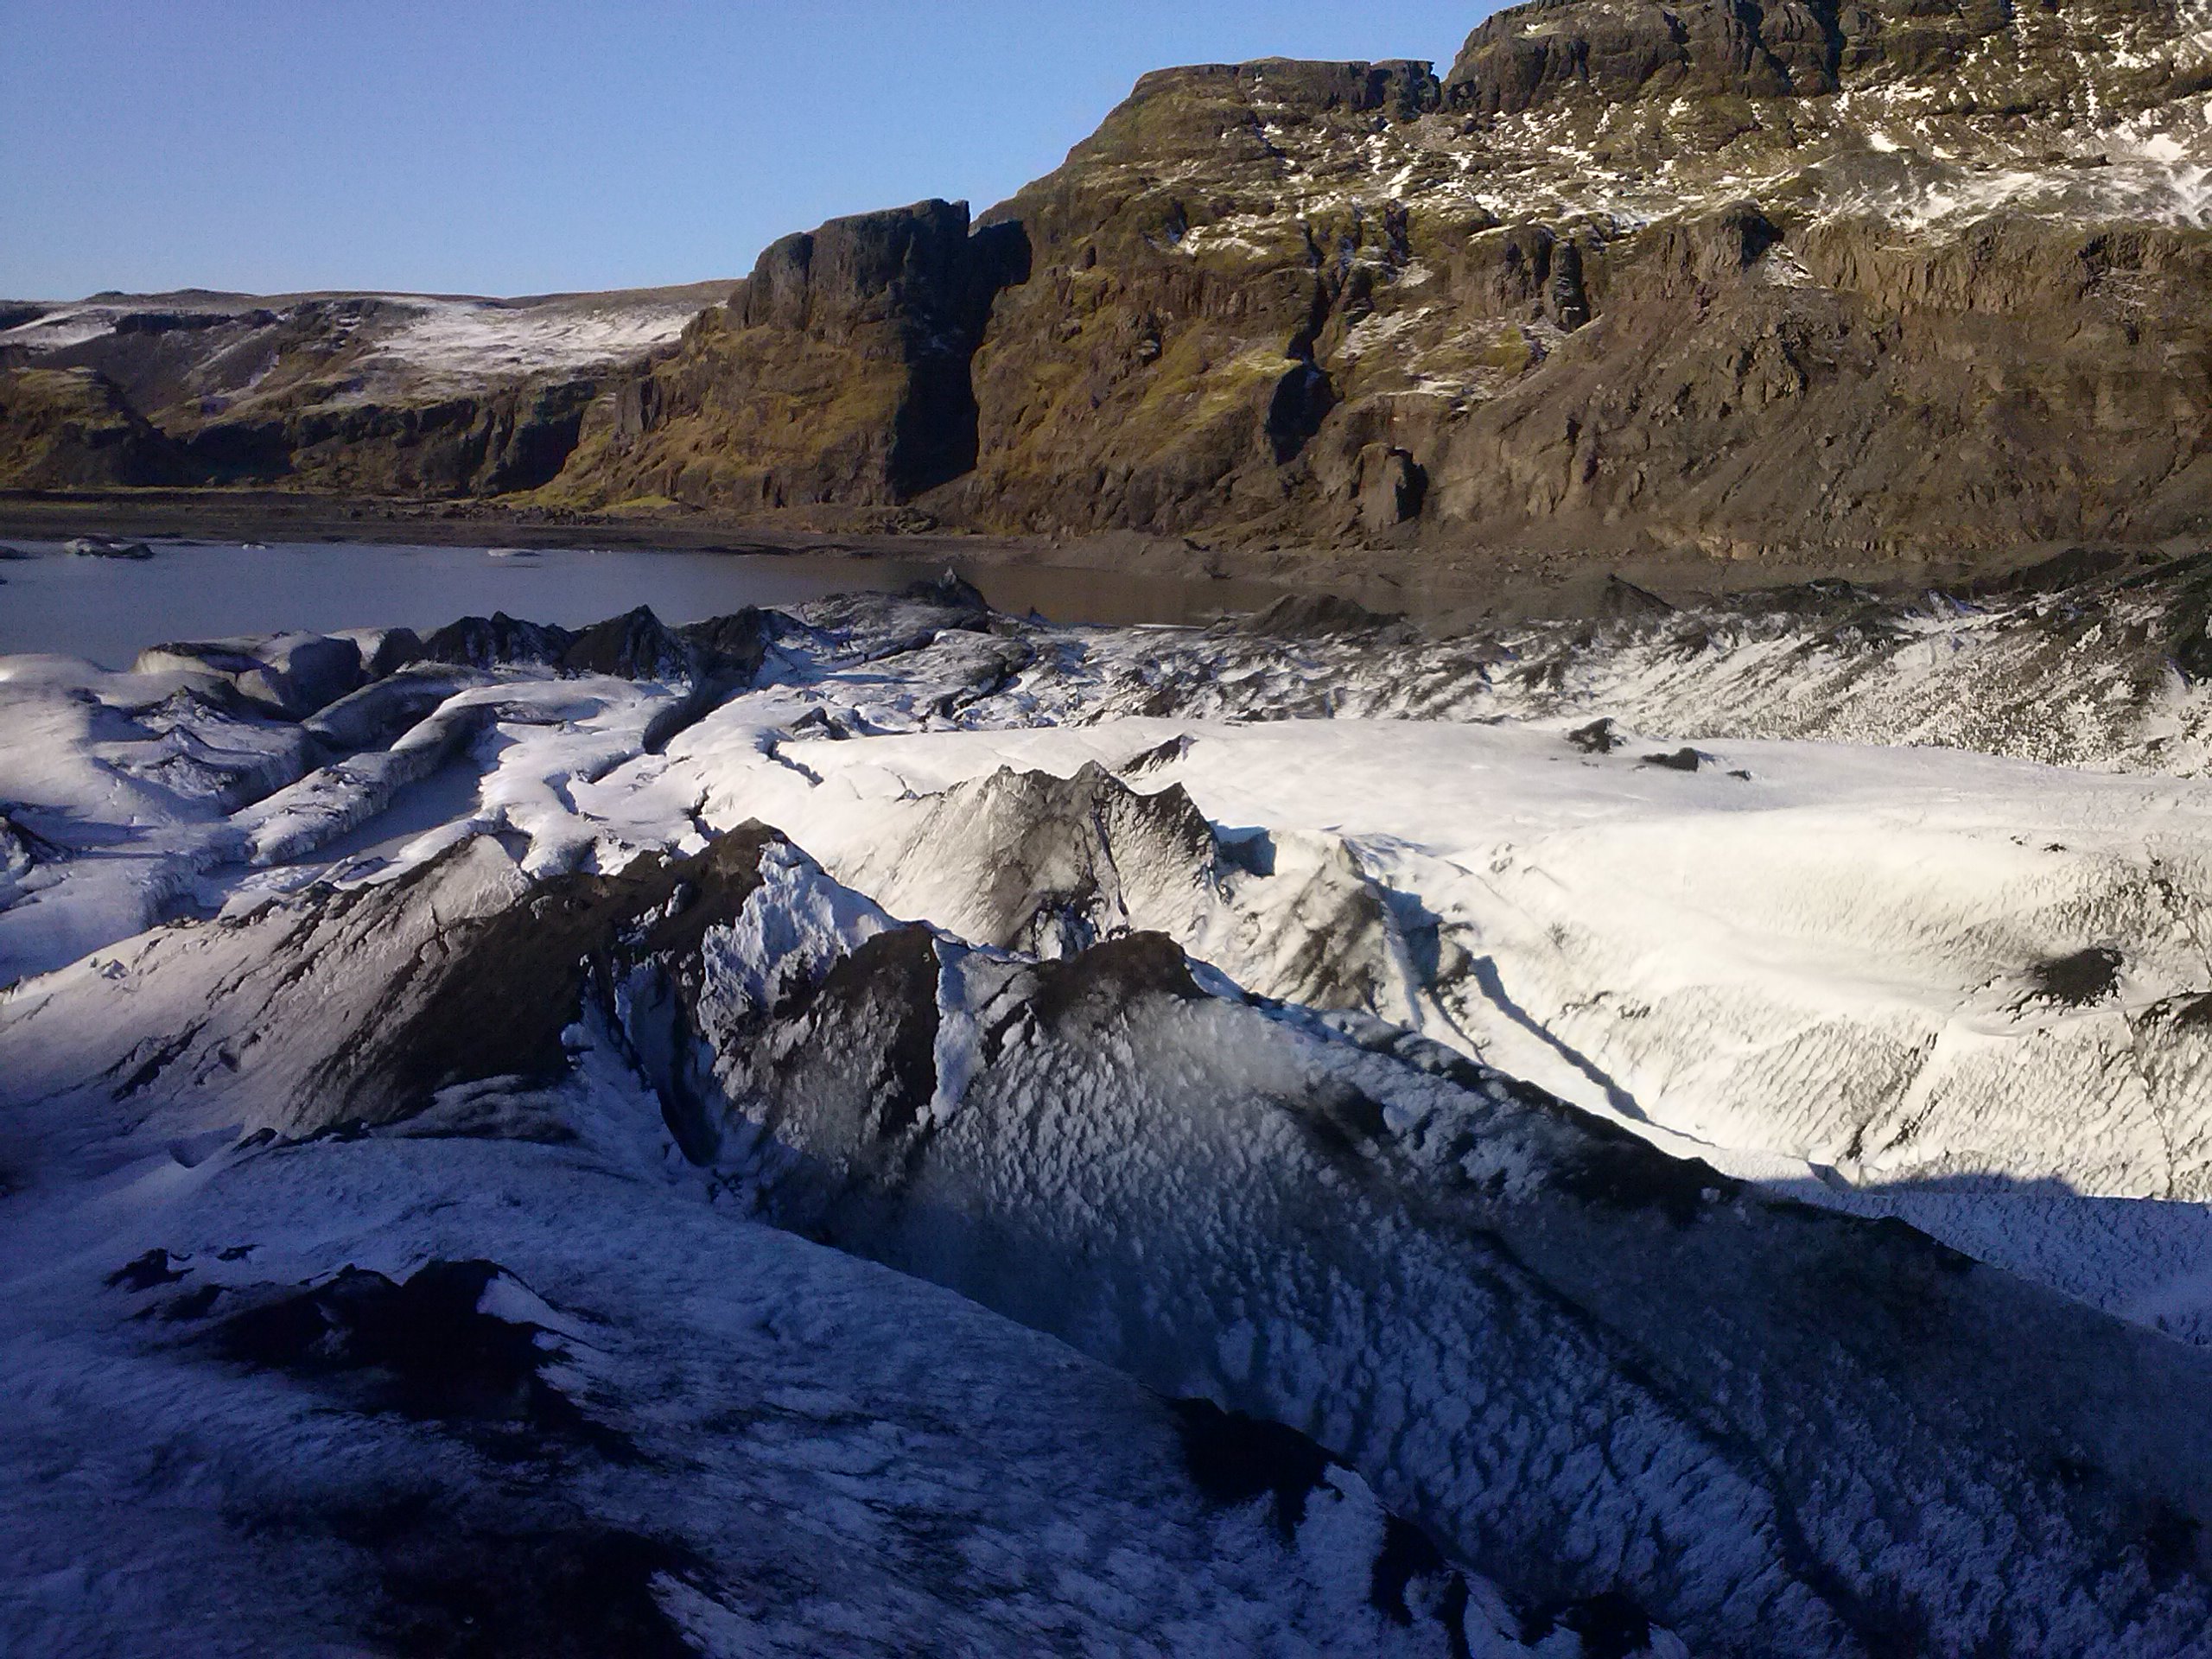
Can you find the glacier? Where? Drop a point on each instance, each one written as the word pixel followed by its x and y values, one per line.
pixel 1672 1131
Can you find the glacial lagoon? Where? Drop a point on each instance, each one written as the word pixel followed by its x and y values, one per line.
pixel 107 610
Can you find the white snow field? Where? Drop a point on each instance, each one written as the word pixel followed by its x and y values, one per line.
pixel 1572 1138
pixel 417 344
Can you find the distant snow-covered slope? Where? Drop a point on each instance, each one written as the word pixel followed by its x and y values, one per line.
pixel 397 344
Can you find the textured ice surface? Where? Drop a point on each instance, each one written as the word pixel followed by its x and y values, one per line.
pixel 1213 1064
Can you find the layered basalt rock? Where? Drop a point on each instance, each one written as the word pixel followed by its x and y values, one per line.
pixel 505 440
pixel 1630 279
pixel 1815 282
pixel 838 373
pixel 1555 51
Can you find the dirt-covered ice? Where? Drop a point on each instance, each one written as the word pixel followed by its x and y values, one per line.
pixel 1494 1070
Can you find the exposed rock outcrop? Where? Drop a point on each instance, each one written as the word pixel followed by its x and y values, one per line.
pixel 636 646
pixel 72 428
pixel 1630 279
pixel 1624 280
pixel 838 373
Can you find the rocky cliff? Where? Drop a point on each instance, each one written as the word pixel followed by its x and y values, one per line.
pixel 1804 281
pixel 1888 279
pixel 838 373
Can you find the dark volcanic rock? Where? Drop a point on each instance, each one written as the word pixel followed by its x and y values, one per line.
pixel 1727 378
pixel 734 643
pixel 961 601
pixel 335 393
pixel 724 651
pixel 73 428
pixel 1599 737
pixel 1705 50
pixel 838 373
pixel 487 642
pixel 147 1272
pixel 505 439
pixel 421 1346
pixel 1296 616
pixel 2079 978
pixel 634 647
pixel 1391 486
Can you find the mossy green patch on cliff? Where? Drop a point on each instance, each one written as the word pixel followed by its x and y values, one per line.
pixel 70 429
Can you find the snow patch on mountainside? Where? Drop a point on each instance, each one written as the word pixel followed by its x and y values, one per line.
pixel 464 343
pixel 411 343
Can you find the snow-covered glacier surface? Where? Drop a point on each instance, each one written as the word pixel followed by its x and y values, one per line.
pixel 891 1128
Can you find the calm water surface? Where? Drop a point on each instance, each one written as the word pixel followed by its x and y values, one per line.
pixel 107 610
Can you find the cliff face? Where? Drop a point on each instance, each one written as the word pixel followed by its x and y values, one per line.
pixel 836 373
pixel 70 429
pixel 1806 280
pixel 1887 279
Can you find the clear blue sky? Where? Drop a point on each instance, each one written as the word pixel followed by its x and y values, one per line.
pixel 490 146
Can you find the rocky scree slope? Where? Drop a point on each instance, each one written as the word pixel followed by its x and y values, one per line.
pixel 1817 280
